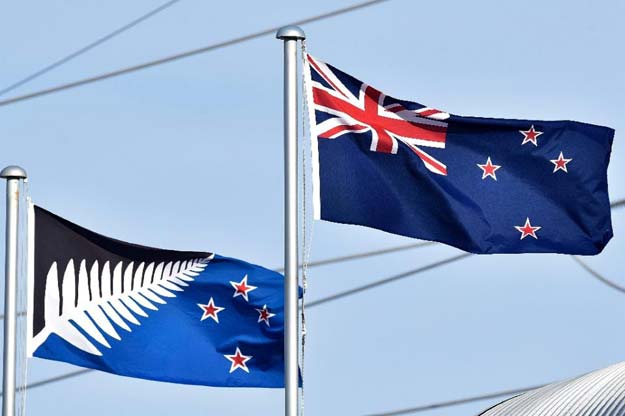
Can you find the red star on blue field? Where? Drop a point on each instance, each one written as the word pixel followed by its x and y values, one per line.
pixel 242 288
pixel 238 360
pixel 488 169
pixel 530 136
pixel 527 229
pixel 264 315
pixel 210 310
pixel 560 163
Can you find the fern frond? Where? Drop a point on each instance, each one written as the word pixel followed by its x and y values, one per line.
pixel 98 302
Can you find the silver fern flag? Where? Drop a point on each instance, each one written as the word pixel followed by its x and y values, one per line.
pixel 177 316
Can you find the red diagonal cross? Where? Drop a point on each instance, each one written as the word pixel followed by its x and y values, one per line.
pixel 388 126
pixel 382 126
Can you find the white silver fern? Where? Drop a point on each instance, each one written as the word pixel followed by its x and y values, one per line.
pixel 95 313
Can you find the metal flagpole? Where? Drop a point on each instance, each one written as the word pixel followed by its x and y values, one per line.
pixel 13 175
pixel 290 35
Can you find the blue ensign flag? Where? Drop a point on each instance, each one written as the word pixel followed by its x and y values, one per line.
pixel 177 316
pixel 483 185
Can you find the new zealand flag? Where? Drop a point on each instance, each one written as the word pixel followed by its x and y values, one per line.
pixel 177 316
pixel 480 184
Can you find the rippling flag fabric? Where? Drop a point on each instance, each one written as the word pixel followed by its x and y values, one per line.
pixel 178 316
pixel 483 185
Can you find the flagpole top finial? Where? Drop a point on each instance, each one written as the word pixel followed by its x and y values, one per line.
pixel 13 172
pixel 291 32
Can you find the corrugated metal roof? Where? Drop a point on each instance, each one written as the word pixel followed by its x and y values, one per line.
pixel 600 393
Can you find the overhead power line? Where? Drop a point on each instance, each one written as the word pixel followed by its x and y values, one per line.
pixel 449 403
pixel 55 379
pixel 90 46
pixel 186 54
pixel 386 280
pixel 363 288
pixel 341 259
pixel 618 204
pixel 365 254
pixel 321 301
pixel 598 275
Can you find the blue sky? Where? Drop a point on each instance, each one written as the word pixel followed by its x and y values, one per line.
pixel 189 156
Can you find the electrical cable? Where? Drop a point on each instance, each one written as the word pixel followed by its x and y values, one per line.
pixel 366 287
pixel 185 54
pixel 57 378
pixel 315 303
pixel 617 204
pixel 364 255
pixel 597 275
pixel 449 403
pixel 387 280
pixel 370 286
pixel 339 259
pixel 88 47
pixel 346 293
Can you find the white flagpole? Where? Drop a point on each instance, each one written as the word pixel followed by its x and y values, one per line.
pixel 290 35
pixel 13 175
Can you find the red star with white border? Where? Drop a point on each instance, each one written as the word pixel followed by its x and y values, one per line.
pixel 238 360
pixel 531 136
pixel 560 163
pixel 264 315
pixel 527 229
pixel 489 169
pixel 210 310
pixel 242 288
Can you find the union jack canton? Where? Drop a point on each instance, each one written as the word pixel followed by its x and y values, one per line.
pixel 480 184
pixel 366 109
